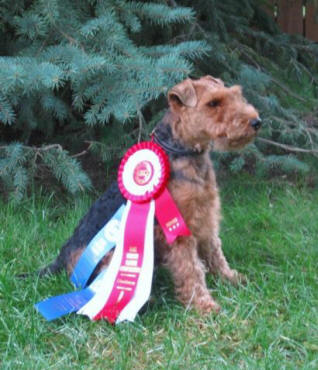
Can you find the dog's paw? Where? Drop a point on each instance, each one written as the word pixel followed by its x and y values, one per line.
pixel 208 306
pixel 236 278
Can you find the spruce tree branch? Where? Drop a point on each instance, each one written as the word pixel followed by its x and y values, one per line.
pixel 38 149
pixel 48 147
pixel 109 149
pixel 246 51
pixel 173 3
pixel 303 68
pixel 84 151
pixel 288 147
pixel 287 90
pixel 141 120
pixel 70 39
pixel 252 60
pixel 202 30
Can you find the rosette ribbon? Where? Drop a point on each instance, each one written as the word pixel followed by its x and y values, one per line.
pixel 142 178
pixel 118 293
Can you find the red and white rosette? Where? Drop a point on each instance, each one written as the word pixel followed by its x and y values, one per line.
pixel 142 178
pixel 143 172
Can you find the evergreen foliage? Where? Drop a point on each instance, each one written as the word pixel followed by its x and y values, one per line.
pixel 83 73
pixel 68 63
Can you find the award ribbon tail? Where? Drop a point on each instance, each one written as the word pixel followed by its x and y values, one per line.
pixel 144 284
pixel 127 286
pixel 97 248
pixel 93 307
pixel 128 276
pixel 169 217
pixel 55 307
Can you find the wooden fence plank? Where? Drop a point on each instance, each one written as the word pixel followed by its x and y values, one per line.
pixel 311 31
pixel 269 7
pixel 290 16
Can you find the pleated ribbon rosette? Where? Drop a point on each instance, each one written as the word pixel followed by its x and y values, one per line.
pixel 118 293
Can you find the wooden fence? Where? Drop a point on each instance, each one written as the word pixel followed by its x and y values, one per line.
pixel 296 16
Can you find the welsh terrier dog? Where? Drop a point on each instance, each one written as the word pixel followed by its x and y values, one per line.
pixel 203 113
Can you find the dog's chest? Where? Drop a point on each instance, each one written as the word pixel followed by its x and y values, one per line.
pixel 193 186
pixel 195 171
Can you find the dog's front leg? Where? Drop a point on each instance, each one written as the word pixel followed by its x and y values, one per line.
pixel 189 275
pixel 217 264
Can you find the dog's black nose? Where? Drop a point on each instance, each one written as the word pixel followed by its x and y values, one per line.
pixel 256 123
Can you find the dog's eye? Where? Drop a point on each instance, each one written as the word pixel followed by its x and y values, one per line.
pixel 214 103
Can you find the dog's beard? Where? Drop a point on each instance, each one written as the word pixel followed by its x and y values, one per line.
pixel 224 144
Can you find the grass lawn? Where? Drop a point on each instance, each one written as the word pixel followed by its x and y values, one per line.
pixel 269 232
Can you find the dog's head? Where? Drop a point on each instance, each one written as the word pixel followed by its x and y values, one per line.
pixel 207 111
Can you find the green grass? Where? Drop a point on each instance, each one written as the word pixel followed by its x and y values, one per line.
pixel 269 232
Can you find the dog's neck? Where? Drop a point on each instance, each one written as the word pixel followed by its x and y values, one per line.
pixel 163 136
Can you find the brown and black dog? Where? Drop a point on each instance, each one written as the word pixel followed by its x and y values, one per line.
pixel 202 113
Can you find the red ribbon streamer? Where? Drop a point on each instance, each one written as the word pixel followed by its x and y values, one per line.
pixel 169 217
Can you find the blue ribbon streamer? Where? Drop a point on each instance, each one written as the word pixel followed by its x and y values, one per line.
pixel 61 305
pixel 97 248
pixel 55 307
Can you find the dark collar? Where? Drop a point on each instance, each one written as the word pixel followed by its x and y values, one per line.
pixel 162 135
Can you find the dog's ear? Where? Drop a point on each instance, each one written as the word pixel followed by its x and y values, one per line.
pixel 183 94
pixel 215 81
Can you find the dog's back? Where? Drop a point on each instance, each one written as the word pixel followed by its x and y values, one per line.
pixel 97 216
